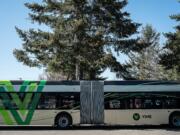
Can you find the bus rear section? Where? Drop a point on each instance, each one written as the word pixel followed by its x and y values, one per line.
pixel 131 103
pixel 67 103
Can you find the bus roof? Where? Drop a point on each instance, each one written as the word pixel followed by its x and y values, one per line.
pixel 109 86
pixel 131 82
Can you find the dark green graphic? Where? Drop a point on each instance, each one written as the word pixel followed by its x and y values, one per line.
pixel 26 106
pixel 136 116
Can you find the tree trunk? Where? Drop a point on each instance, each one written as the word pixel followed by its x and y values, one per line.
pixel 92 75
pixel 77 71
pixel 81 74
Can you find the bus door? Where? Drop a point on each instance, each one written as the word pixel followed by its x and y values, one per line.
pixel 92 102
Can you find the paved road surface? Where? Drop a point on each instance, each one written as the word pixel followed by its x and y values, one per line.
pixel 90 131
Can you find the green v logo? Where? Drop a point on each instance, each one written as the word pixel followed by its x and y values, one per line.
pixel 26 106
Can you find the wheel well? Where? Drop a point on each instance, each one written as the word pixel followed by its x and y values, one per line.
pixel 173 113
pixel 60 114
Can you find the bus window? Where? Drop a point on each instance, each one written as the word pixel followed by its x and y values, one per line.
pixel 138 103
pixel 171 103
pixel 114 104
pixel 131 104
pixel 141 101
pixel 158 104
pixel 148 104
pixel 68 101
pixel 47 101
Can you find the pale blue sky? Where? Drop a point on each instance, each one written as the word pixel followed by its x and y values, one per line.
pixel 13 13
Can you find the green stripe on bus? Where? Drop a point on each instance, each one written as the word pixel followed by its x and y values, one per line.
pixel 6 117
pixel 24 109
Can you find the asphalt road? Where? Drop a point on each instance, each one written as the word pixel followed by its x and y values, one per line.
pixel 91 131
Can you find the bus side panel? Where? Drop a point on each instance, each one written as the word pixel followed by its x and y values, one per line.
pixel 43 117
pixel 6 118
pixel 39 117
pixel 138 116
pixel 47 117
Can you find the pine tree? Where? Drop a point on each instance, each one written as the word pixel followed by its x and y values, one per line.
pixel 171 56
pixel 50 76
pixel 143 65
pixel 83 33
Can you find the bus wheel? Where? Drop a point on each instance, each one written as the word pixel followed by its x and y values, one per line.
pixel 175 119
pixel 63 121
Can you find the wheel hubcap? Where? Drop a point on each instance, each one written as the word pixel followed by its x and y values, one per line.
pixel 176 121
pixel 63 122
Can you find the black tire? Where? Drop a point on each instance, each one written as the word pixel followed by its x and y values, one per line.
pixel 63 121
pixel 174 120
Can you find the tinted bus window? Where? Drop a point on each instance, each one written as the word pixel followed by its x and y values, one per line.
pixel 59 101
pixel 142 101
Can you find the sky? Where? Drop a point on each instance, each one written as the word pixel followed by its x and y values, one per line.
pixel 14 13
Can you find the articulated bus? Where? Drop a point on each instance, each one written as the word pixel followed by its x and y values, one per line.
pixel 68 103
